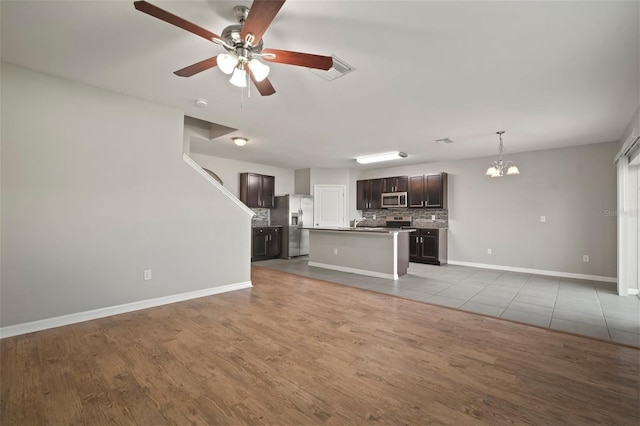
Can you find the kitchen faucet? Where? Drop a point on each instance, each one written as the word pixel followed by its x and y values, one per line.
pixel 356 222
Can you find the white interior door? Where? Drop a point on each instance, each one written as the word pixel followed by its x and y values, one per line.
pixel 329 205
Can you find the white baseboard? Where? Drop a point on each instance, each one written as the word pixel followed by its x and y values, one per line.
pixel 30 327
pixel 354 270
pixel 536 271
pixel 632 292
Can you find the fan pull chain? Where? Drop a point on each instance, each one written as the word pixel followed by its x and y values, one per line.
pixel 248 85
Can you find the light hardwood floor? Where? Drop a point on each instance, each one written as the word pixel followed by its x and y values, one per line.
pixel 294 350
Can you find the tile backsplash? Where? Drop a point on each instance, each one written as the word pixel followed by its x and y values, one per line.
pixel 421 218
pixel 261 217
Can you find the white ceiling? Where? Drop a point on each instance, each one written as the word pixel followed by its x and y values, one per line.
pixel 551 74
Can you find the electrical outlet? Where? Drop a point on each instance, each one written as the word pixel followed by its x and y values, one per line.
pixel 147 274
pixel 488 251
pixel 585 257
pixel 374 217
pixel 433 217
pixel 543 218
pixel 335 251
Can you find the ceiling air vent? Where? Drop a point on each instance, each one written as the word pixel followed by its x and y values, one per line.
pixel 444 141
pixel 338 69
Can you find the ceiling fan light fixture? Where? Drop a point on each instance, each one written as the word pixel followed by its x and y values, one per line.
pixel 243 42
pixel 239 77
pixel 227 62
pixel 386 156
pixel 240 141
pixel 260 71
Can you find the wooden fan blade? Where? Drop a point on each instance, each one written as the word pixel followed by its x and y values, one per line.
pixel 300 59
pixel 261 13
pixel 264 87
pixel 165 16
pixel 198 67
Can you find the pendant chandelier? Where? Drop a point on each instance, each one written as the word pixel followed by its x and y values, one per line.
pixel 501 166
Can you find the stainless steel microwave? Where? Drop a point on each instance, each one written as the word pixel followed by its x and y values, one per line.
pixel 394 199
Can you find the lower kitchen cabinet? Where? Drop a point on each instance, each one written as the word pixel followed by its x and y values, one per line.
pixel 428 246
pixel 266 242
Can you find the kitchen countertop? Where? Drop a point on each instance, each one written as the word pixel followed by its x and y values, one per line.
pixel 416 224
pixel 377 230
pixel 430 227
pixel 266 226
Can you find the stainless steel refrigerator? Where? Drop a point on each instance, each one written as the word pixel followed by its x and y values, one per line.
pixel 293 212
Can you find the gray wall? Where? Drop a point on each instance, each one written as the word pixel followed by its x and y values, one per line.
pixel 94 191
pixel 229 171
pixel 572 187
pixel 303 181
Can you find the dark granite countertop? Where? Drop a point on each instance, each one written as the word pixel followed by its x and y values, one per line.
pixel 429 226
pixel 377 230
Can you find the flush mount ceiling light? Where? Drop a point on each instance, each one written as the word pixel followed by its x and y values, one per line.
pixel 201 103
pixel 499 166
pixel 381 157
pixel 240 141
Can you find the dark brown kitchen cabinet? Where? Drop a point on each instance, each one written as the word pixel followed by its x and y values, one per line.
pixel 395 184
pixel 428 246
pixel 369 194
pixel 429 191
pixel 266 242
pixel 257 190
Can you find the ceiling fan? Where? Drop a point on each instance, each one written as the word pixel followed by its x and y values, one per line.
pixel 244 44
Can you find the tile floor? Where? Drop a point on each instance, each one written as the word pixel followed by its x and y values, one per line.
pixel 576 306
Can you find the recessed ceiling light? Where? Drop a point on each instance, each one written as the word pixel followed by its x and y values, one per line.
pixel 386 156
pixel 240 141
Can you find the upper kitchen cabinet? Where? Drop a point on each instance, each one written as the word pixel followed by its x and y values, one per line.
pixel 395 184
pixel 257 190
pixel 369 194
pixel 429 191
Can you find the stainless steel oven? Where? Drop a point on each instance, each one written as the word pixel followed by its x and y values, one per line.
pixel 394 199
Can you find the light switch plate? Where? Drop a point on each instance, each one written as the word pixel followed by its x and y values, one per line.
pixel 543 218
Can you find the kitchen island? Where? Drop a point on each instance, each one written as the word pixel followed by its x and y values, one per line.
pixel 376 252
